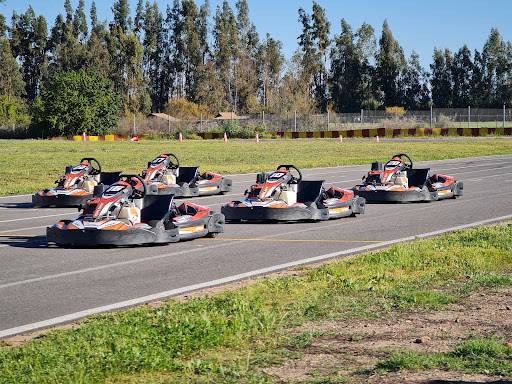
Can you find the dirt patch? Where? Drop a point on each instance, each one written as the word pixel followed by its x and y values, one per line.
pixel 353 348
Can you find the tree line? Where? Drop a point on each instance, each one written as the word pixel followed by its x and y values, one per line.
pixel 217 61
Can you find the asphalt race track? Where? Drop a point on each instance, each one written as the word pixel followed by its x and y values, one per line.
pixel 42 285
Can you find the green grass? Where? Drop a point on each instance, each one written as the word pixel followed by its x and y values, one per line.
pixel 28 166
pixel 473 356
pixel 230 337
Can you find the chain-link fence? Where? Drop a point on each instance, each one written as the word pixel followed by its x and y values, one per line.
pixel 394 118
pixel 296 122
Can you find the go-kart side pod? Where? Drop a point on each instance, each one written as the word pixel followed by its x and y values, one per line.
pixel 410 195
pixel 291 213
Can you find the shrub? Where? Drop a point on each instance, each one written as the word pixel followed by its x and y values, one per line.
pixel 77 102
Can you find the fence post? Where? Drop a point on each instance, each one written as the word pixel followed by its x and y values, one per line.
pixel 430 117
pixel 503 116
pixel 201 123
pixel 169 118
pixel 263 114
pixel 134 131
pixel 295 120
pixel 362 117
pixel 469 115
pixel 328 121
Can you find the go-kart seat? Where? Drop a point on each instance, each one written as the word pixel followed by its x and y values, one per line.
pixel 309 191
pixel 417 177
pixel 155 207
pixel 187 175
pixel 109 178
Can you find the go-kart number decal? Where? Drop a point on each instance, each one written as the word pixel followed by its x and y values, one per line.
pixel 276 176
pixel 79 168
pixel 393 163
pixel 114 189
pixel 158 161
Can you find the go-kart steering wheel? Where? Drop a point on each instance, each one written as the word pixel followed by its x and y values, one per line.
pixel 173 164
pixel 95 170
pixel 407 165
pixel 137 193
pixel 289 167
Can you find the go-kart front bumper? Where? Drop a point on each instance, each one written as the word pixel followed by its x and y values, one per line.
pixel 133 236
pixel 43 200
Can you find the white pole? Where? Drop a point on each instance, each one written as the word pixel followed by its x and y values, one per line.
pixel 469 115
pixel 503 116
pixel 263 117
pixel 362 117
pixel 430 117
pixel 295 121
pixel 328 120
pixel 134 131
pixel 169 117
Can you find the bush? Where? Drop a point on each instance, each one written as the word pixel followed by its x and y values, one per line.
pixel 77 102
pixel 231 128
pixel 443 121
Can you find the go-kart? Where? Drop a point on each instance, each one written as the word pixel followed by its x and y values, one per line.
pixel 76 185
pixel 398 181
pixel 282 195
pixel 124 214
pixel 164 176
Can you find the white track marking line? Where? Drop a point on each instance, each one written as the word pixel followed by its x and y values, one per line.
pixel 23 229
pixel 6 197
pixel 33 217
pixel 229 279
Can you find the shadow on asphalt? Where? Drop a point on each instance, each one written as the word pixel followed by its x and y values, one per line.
pixel 16 205
pixel 24 241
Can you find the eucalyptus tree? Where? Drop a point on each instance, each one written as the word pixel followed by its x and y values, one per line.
pixel 11 81
pixel 462 72
pixel 225 49
pixel 415 92
pixel 98 56
pixel 80 28
pixel 149 27
pixel 314 42
pixel 97 27
pixel 245 61
pixel 441 82
pixel 175 64
pixel 28 37
pixel 270 61
pixel 366 46
pixel 127 60
pixel 390 63
pixel 479 90
pixel 497 70
pixel 202 31
pixel 346 71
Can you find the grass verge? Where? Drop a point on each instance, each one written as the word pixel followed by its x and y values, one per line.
pixel 233 336
pixel 28 166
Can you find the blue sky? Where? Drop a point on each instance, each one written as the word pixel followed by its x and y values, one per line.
pixel 416 25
